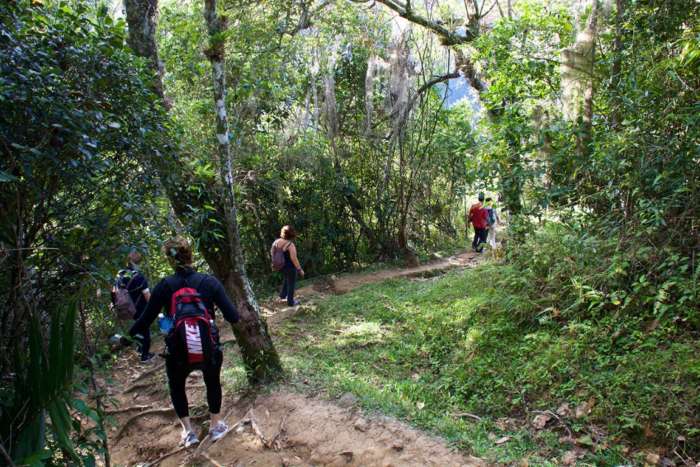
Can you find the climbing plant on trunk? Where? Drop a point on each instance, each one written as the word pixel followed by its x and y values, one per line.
pixel 222 251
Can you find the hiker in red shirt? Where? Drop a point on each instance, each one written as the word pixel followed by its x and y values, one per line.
pixel 478 216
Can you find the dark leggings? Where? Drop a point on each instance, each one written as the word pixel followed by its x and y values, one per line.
pixel 290 278
pixel 479 239
pixel 177 375
pixel 144 347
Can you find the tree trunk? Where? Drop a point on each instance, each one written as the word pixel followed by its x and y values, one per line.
pixel 587 116
pixel 617 66
pixel 224 256
pixel 256 345
pixel 142 21
pixel 577 72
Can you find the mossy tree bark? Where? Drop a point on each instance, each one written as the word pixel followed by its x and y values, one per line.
pixel 223 254
pixel 253 336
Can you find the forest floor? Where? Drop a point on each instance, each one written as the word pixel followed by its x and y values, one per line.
pixel 280 426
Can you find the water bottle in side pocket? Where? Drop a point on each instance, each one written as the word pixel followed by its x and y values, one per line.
pixel 165 324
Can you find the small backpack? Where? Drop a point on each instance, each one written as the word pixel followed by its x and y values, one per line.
pixel 193 338
pixel 123 304
pixel 492 216
pixel 277 256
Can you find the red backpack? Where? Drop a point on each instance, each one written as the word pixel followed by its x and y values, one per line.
pixel 194 337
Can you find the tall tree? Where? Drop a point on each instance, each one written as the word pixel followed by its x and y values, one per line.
pixel 578 63
pixel 223 251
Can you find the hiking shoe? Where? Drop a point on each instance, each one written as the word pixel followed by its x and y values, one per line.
pixel 218 431
pixel 189 439
pixel 296 303
pixel 148 358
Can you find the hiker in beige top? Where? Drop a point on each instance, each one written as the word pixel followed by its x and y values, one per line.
pixel 284 259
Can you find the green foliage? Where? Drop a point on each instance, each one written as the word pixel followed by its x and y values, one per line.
pixel 76 117
pixel 482 342
pixel 581 274
pixel 45 388
pixel 521 55
pixel 334 189
pixel 598 299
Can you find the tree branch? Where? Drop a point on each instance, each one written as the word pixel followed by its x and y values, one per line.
pixel 6 456
pixel 436 80
pixel 421 90
pixel 405 11
pixel 490 9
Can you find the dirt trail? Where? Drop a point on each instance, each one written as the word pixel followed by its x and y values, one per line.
pixel 337 285
pixel 348 282
pixel 283 428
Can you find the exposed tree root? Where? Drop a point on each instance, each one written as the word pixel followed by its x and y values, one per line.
pixel 134 387
pixel 127 409
pixel 258 432
pixel 246 420
pixel 200 452
pixel 208 457
pixel 159 411
pixel 165 456
pixel 199 418
pixel 469 415
pixel 275 442
pixel 148 373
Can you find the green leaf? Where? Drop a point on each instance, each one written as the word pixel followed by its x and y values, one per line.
pixel 61 426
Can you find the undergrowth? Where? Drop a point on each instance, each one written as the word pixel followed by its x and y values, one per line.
pixel 553 326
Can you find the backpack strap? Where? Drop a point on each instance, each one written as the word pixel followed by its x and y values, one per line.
pixel 175 287
pixel 201 281
pixel 276 244
pixel 120 276
pixel 140 289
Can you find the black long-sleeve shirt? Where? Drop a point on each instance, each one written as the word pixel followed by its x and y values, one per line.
pixel 209 287
pixel 134 281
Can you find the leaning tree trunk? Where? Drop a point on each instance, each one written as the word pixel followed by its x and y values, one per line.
pixel 223 256
pixel 256 345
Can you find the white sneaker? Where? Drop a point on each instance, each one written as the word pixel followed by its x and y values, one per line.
pixel 189 439
pixel 218 431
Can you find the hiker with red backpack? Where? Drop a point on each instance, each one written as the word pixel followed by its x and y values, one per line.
pixel 284 259
pixel 192 343
pixel 130 295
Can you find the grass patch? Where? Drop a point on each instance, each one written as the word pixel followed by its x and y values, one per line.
pixel 424 351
